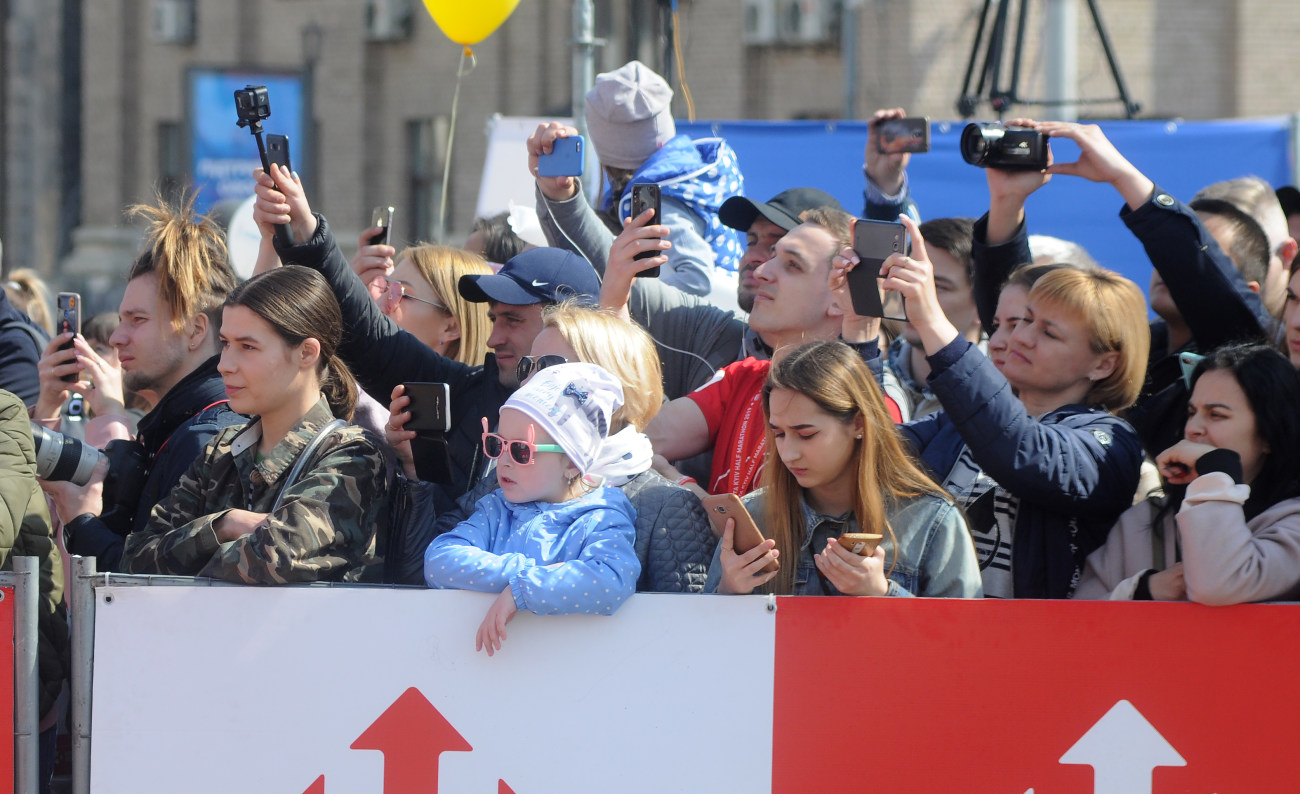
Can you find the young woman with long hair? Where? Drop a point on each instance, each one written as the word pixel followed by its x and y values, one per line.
pixel 1227 529
pixel 239 513
pixel 836 465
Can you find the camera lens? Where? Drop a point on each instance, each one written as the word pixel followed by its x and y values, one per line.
pixel 60 457
pixel 977 139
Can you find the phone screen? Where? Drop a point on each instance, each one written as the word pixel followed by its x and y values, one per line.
pixel 68 319
pixel 874 242
pixel 897 136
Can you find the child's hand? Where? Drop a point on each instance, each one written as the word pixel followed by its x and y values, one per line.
pixel 492 631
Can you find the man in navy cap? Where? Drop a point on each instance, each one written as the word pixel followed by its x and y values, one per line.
pixel 382 356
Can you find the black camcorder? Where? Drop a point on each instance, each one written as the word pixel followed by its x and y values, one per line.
pixel 992 145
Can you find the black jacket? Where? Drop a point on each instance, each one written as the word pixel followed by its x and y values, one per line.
pixel 173 434
pixel 19 354
pixel 1206 287
pixel 381 355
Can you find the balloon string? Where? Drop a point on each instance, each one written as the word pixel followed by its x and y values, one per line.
pixel 467 57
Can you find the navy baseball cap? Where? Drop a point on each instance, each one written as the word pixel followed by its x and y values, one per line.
pixel 783 209
pixel 535 276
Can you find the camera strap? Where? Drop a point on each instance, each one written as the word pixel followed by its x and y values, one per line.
pixel 303 458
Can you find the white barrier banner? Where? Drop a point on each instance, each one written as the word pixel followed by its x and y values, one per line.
pixel 371 691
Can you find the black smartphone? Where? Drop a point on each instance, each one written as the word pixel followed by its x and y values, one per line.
pixel 277 151
pixel 873 242
pixel 565 158
pixel 68 318
pixel 911 134
pixel 429 407
pixel 383 218
pixel 645 196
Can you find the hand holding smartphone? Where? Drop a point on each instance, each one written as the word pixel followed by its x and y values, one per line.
pixel 277 153
pixel 68 318
pixel 905 135
pixel 646 196
pixel 565 158
pixel 874 242
pixel 862 544
pixel 429 407
pixel 745 534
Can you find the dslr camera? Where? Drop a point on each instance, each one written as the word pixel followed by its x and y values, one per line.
pixel 253 104
pixel 60 457
pixel 993 145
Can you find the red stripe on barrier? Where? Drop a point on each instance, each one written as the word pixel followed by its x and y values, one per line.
pixel 921 695
pixel 6 689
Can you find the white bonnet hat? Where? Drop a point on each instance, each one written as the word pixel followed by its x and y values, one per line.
pixel 573 403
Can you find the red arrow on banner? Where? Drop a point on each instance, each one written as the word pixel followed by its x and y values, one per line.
pixel 502 788
pixel 411 734
pixel 317 786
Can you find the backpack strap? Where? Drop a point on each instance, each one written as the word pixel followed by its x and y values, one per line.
pixel 37 334
pixel 303 458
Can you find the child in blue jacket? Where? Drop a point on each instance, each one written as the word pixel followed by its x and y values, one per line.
pixel 550 539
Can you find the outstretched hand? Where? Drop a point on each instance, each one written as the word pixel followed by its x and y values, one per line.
pixel 542 141
pixel 913 278
pixel 1099 161
pixel 886 170
pixel 622 266
pixel 282 200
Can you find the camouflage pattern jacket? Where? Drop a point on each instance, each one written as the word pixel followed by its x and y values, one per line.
pixel 325 527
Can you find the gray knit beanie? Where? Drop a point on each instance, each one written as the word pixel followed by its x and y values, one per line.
pixel 628 115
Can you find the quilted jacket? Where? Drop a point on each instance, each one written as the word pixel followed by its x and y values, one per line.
pixel 673 540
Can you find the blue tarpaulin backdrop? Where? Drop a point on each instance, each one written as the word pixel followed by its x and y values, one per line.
pixel 1181 157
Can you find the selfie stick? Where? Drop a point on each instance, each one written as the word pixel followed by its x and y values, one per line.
pixel 282 231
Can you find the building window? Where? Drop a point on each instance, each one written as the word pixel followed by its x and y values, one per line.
pixel 426 141
pixel 171 160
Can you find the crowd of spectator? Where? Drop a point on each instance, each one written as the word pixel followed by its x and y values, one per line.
pixel 1028 432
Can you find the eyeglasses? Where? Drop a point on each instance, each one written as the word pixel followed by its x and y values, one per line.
pixel 530 364
pixel 523 452
pixel 395 291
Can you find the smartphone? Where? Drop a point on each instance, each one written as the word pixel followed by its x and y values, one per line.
pixel 277 151
pixel 68 318
pixel 646 196
pixel 429 407
pixel 862 544
pixel 746 534
pixel 383 218
pixel 896 136
pixel 873 242
pixel 565 158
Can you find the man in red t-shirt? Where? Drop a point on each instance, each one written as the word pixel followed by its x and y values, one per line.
pixel 793 304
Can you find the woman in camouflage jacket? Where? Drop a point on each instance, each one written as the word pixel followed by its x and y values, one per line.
pixel 235 515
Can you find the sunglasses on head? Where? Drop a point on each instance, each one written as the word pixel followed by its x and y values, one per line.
pixel 522 452
pixel 530 364
pixel 395 291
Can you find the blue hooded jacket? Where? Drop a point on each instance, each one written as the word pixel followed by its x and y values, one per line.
pixel 701 174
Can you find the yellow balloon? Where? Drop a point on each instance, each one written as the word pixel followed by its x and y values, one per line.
pixel 468 22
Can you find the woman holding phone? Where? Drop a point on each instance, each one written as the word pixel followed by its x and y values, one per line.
pixel 836 466
pixel 1227 528
pixel 1033 450
pixel 246 511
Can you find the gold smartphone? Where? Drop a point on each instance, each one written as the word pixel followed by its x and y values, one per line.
pixel 745 535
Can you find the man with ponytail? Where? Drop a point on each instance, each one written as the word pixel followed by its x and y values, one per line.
pixel 166 339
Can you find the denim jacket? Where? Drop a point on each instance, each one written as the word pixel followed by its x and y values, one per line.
pixel 935 557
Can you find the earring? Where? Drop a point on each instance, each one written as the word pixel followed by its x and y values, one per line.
pixel 859 436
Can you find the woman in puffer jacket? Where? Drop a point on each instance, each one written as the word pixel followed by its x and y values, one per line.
pixel 1227 530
